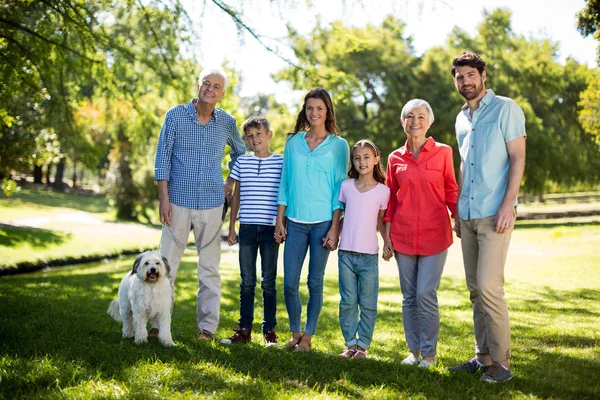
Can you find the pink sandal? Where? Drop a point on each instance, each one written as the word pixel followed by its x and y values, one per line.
pixel 348 353
pixel 359 354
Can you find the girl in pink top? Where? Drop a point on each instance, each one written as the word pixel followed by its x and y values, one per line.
pixel 366 198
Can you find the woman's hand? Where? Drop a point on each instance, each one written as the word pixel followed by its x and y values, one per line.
pixel 331 240
pixel 388 249
pixel 280 231
pixel 232 237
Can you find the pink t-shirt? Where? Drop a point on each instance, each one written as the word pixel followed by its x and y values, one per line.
pixel 359 233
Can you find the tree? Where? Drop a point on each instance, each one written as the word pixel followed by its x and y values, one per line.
pixel 588 21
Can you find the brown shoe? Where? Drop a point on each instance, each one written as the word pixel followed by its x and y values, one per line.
pixel 205 336
pixel 303 345
pixel 152 333
pixel 291 344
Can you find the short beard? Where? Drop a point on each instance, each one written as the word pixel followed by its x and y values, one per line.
pixel 474 94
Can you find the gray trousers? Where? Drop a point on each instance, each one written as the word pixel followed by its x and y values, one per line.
pixel 419 281
pixel 204 224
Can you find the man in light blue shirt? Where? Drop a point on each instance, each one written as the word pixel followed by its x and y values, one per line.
pixel 191 191
pixel 490 131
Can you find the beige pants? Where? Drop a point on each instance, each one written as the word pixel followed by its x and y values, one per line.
pixel 204 223
pixel 484 254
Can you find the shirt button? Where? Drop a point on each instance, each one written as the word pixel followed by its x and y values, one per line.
pixel 471 198
pixel 471 163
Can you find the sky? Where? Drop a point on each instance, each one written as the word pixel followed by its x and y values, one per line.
pixel 428 22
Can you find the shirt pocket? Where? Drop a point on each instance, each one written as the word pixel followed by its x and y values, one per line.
pixel 434 173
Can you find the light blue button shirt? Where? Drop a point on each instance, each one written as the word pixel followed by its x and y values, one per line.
pixel 482 145
pixel 311 180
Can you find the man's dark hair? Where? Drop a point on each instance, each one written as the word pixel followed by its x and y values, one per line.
pixel 469 59
pixel 256 122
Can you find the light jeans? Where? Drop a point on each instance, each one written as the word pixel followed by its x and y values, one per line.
pixel 300 239
pixel 204 223
pixel 359 287
pixel 419 281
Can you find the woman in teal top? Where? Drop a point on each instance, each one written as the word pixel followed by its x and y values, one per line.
pixel 315 163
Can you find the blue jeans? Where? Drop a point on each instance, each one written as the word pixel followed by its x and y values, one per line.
pixel 359 287
pixel 253 238
pixel 419 280
pixel 301 237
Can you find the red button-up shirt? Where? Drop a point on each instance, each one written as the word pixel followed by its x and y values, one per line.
pixel 422 192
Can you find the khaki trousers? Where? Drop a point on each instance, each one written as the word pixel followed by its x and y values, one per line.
pixel 204 224
pixel 484 254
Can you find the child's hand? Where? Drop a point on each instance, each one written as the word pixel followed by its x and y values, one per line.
pixel 388 250
pixel 280 232
pixel 331 240
pixel 232 238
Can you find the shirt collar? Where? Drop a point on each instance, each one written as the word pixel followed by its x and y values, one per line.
pixel 192 111
pixel 429 144
pixel 485 100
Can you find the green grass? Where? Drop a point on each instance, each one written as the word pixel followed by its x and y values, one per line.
pixel 43 226
pixel 56 341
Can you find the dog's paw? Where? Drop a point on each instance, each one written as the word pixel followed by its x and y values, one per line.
pixel 140 340
pixel 168 343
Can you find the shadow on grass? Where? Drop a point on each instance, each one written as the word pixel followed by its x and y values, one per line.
pixel 59 318
pixel 11 236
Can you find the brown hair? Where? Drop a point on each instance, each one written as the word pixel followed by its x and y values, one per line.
pixel 470 59
pixel 378 173
pixel 256 122
pixel 301 121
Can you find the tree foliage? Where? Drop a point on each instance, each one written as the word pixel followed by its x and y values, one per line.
pixel 373 71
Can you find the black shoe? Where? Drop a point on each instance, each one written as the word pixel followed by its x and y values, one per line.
pixel 472 366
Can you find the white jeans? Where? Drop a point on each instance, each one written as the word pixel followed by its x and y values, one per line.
pixel 204 223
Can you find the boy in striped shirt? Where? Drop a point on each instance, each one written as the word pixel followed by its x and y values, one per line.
pixel 257 177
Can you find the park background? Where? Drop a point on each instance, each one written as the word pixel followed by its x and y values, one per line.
pixel 84 91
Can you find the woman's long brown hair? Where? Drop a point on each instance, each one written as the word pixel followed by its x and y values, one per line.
pixel 301 121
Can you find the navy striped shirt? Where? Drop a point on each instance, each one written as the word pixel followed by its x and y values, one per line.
pixel 259 184
pixel 189 156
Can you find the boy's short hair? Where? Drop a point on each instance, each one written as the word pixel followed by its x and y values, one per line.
pixel 256 122
pixel 470 59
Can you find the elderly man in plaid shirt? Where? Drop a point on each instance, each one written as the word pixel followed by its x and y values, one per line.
pixel 191 190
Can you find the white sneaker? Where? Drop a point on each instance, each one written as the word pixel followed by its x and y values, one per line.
pixel 410 360
pixel 427 364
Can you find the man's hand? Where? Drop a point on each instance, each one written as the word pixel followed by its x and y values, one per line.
pixel 166 211
pixel 505 218
pixel 457 227
pixel 280 232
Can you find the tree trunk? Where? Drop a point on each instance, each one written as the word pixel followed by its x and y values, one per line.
pixel 37 174
pixel 48 174
pixel 74 173
pixel 58 177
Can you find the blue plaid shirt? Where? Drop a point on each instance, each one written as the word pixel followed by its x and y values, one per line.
pixel 189 156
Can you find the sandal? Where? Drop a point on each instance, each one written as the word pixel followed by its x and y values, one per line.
pixel 359 354
pixel 303 345
pixel 348 353
pixel 291 344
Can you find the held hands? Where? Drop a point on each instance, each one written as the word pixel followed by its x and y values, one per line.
pixel 331 240
pixel 228 188
pixel 388 249
pixel 232 237
pixel 280 232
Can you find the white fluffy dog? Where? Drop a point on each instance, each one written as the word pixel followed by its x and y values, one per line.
pixel 145 294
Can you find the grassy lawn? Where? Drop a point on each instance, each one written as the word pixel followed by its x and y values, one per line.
pixel 42 225
pixel 56 340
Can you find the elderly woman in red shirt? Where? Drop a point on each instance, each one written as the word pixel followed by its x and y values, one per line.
pixel 423 187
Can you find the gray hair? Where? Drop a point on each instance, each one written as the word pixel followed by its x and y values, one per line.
pixel 216 71
pixel 416 103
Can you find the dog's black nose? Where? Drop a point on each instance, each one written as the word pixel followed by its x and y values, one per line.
pixel 152 270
